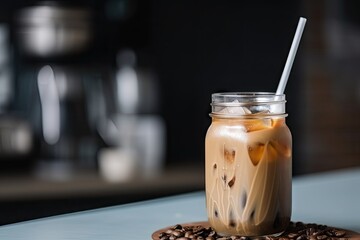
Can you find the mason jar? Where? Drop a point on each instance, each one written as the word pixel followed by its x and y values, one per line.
pixel 248 164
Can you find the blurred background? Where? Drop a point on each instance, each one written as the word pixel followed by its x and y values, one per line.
pixel 107 102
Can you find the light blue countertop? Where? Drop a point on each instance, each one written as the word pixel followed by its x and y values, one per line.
pixel 331 198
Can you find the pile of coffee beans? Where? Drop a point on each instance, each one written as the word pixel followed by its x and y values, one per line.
pixel 295 231
pixel 311 231
pixel 179 232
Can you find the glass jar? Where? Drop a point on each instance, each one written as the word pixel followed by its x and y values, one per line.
pixel 248 155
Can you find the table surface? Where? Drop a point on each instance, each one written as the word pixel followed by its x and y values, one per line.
pixel 331 198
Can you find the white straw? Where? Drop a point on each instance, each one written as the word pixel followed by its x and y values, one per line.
pixel 290 59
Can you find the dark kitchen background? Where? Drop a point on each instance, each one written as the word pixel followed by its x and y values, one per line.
pixel 107 102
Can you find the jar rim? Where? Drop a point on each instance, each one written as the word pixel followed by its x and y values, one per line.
pixel 254 104
pixel 233 99
pixel 249 117
pixel 247 94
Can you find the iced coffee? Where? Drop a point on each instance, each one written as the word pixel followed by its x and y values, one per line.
pixel 248 153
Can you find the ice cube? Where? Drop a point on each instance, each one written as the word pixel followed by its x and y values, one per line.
pixel 272 153
pixel 258 124
pixel 229 155
pixel 281 148
pixel 256 152
pixel 277 122
pixel 234 109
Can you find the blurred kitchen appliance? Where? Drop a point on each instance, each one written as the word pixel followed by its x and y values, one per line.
pixel 79 109
pixel 15 137
pixel 15 132
pixel 56 83
pixel 51 29
pixel 6 83
pixel 135 130
pixel 69 141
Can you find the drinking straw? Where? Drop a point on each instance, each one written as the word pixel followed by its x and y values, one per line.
pixel 290 59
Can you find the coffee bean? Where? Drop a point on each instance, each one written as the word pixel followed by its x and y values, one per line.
pixel 322 237
pixel 198 229
pixel 199 234
pixel 177 226
pixel 245 238
pixel 330 233
pixel 162 234
pixel 183 238
pixel 293 235
pixel 235 238
pixel 311 225
pixel 301 237
pixel 292 225
pixel 310 231
pixel 339 233
pixel 187 228
pixel 212 233
pixel 322 232
pixel 299 224
pixel 178 234
pixel 322 227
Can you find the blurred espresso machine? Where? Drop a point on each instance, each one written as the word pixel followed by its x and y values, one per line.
pixel 85 114
pixel 54 84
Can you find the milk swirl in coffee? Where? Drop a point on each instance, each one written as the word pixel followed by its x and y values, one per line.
pixel 248 165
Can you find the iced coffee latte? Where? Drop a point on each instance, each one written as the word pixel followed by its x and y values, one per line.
pixel 248 165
